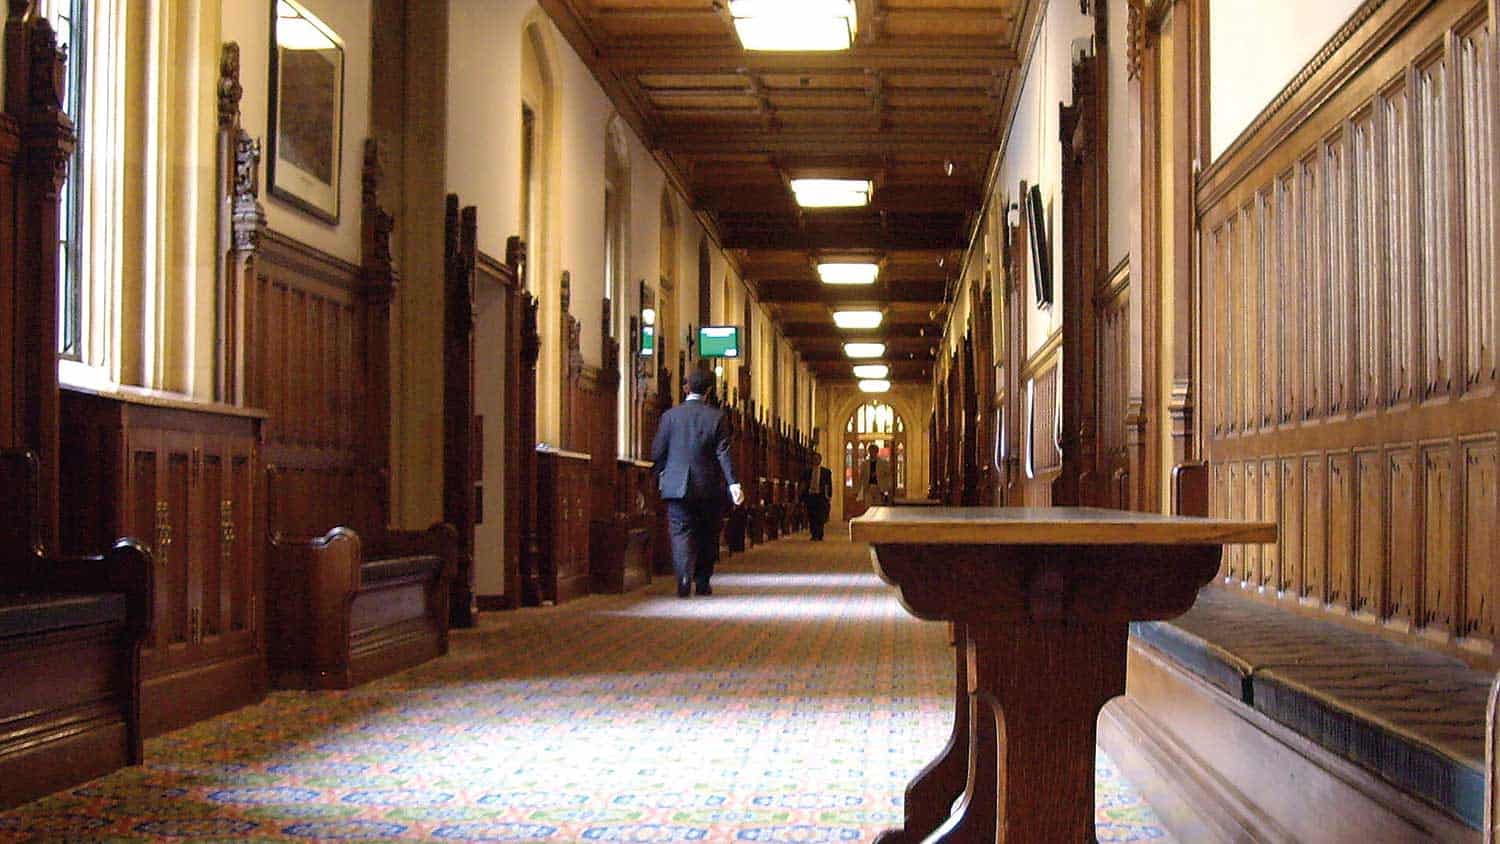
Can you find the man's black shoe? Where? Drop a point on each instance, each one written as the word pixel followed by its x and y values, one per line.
pixel 683 589
pixel 705 589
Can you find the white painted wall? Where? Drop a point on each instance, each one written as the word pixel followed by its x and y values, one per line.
pixel 1255 48
pixel 248 22
pixel 1033 151
pixel 484 169
pixel 1124 139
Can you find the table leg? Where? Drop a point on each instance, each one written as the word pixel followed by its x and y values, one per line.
pixel 1046 682
pixel 931 794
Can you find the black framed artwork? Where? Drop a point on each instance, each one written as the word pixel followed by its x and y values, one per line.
pixel 306 111
pixel 1041 250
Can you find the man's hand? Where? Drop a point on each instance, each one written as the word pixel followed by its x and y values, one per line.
pixel 736 494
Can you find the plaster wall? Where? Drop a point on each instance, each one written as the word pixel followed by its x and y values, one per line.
pixel 248 22
pixel 1255 48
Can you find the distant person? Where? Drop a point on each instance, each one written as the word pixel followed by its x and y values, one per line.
pixel 873 479
pixel 817 489
pixel 691 451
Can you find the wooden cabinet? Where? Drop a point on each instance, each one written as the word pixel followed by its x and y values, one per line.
pixel 185 479
pixel 563 522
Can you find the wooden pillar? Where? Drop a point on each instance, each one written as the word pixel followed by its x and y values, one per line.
pixel 33 97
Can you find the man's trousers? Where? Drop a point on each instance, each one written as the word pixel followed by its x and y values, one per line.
pixel 694 525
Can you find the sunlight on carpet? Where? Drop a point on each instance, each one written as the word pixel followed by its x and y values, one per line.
pixel 792 705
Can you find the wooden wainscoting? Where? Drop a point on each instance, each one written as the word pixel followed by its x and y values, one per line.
pixel 185 478
pixel 1042 378
pixel 1349 331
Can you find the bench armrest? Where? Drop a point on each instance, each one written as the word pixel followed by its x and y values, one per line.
pixel 126 568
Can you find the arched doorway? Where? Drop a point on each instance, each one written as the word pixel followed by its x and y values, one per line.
pixel 873 422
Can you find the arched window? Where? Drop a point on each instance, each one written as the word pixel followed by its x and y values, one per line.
pixel 879 423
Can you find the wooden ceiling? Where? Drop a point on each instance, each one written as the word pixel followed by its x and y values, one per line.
pixel 918 105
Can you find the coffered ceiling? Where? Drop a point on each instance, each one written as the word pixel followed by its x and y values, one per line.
pixel 917 105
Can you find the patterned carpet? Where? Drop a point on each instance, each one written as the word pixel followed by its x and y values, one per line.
pixel 791 706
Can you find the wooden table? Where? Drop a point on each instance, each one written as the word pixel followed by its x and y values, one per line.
pixel 1040 600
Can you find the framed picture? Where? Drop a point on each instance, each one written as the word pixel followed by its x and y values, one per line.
pixel 306 111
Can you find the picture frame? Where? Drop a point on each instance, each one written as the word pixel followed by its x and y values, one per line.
pixel 305 111
pixel 1041 249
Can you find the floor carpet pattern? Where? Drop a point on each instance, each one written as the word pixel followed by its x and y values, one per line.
pixel 791 706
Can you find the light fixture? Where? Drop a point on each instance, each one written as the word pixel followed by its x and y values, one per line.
pixel 832 193
pixel 719 370
pixel 648 316
pixel 875 385
pixel 858 319
pixel 848 273
pixel 794 24
pixel 864 350
pixel 876 371
pixel 297 30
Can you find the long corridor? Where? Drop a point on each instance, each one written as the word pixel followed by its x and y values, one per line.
pixel 792 705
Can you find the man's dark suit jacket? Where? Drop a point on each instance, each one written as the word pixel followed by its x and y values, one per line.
pixel 824 484
pixel 691 451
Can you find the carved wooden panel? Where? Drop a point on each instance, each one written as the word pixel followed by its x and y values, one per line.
pixel 1370 527
pixel 1315 528
pixel 1405 551
pixel 1437 557
pixel 1270 509
pixel 1348 332
pixel 1480 515
pixel 1340 528
pixel 1290 518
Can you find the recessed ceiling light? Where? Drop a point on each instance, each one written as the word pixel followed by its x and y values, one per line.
pixel 832 193
pixel 848 273
pixel 872 370
pixel 864 350
pixel 794 24
pixel 875 385
pixel 858 319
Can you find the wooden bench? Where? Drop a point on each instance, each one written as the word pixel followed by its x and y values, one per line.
pixel 346 618
pixel 1246 721
pixel 71 631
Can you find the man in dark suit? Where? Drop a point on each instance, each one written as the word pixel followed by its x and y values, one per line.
pixel 691 451
pixel 817 484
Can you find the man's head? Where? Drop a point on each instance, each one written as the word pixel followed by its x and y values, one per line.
pixel 700 382
pixel 816 458
pixel 873 450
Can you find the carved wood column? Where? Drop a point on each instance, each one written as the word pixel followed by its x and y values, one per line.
pixel 459 475
pixel 33 96
pixel 380 280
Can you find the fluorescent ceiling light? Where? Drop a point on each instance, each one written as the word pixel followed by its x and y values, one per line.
pixel 858 319
pixel 832 193
pixel 875 386
pixel 848 273
pixel 876 371
pixel 802 25
pixel 864 350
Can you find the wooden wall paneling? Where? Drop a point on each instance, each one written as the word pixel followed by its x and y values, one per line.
pixel 1403 524
pixel 1315 525
pixel 1348 322
pixel 1341 525
pixel 41 143
pixel 1369 550
pixel 186 476
pixel 1289 517
pixel 1438 523
pixel 11 350
pixel 1481 483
